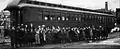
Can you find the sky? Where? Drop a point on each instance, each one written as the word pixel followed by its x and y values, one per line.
pixel 89 4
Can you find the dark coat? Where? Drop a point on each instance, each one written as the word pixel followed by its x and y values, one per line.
pixel 73 35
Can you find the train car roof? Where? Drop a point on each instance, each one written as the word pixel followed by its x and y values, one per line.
pixel 66 9
pixel 65 6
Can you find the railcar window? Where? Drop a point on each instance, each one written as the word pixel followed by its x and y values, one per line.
pixel 76 18
pixel 51 18
pixel 63 18
pixel 55 17
pixel 95 18
pixel 66 18
pixel 80 19
pixel 84 19
pixel 107 19
pixel 90 17
pixel 100 17
pixel 58 18
pixel 46 18
pixel 104 21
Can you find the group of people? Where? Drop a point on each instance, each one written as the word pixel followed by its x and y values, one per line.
pixel 22 35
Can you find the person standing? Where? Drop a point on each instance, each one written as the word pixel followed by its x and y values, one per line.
pixel 12 36
pixel 41 36
pixel 37 35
